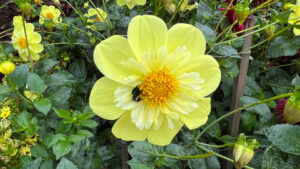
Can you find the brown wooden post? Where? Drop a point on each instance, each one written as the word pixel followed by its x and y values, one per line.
pixel 125 155
pixel 239 85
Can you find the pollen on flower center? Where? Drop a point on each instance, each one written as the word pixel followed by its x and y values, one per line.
pixel 98 19
pixel 158 87
pixel 49 15
pixel 22 43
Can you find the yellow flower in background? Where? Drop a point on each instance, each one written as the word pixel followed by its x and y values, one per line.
pixel 130 3
pixel 19 40
pixel 50 13
pixel 85 5
pixel 7 67
pixel 25 150
pixel 155 81
pixel 294 18
pixel 94 15
pixel 185 6
pixel 5 112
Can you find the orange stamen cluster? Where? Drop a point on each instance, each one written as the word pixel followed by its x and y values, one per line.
pixel 22 43
pixel 158 87
pixel 49 15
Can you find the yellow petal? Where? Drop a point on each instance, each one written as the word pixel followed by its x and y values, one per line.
pixel 38 48
pixel 164 135
pixel 126 130
pixel 140 2
pixel 102 99
pixel 146 32
pixel 199 116
pixel 35 37
pixel 34 55
pixel 187 35
pixel 297 9
pixel 121 2
pixel 296 31
pixel 108 56
pixel 209 71
pixel 293 18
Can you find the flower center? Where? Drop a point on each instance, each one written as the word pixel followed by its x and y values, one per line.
pixel 49 15
pixel 98 19
pixel 22 43
pixel 158 87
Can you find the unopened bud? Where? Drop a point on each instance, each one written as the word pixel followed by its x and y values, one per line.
pixel 172 9
pixel 288 6
pixel 292 109
pixel 269 31
pixel 25 9
pixel 56 2
pixel 7 67
pixel 241 13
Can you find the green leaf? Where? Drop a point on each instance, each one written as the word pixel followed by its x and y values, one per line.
pixel 272 160
pixel 4 92
pixel 261 109
pixel 88 123
pixel 208 33
pixel 65 164
pixel 55 138
pixel 33 165
pixel 76 138
pixel 19 77
pixel 51 51
pixel 60 78
pixel 296 81
pixel 253 89
pixel 141 151
pixel 59 96
pixel 62 127
pixel 225 50
pixel 279 80
pixel 35 83
pixel 136 164
pixel 283 17
pixel 85 133
pixel 283 46
pixel 45 66
pixel 27 124
pixel 66 114
pixel 284 136
pixel 43 105
pixel 78 69
pixel 85 116
pixel 39 151
pixel 47 164
pixel 248 121
pixel 62 148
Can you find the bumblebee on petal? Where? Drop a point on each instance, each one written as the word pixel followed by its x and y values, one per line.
pixel 155 81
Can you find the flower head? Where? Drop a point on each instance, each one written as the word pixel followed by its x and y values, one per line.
pixel 130 3
pixel 50 13
pixel 156 81
pixel 294 18
pixel 85 5
pixel 19 40
pixel 5 112
pixel 7 67
pixel 98 14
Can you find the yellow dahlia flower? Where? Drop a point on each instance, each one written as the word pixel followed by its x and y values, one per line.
pixel 130 3
pixel 5 112
pixel 294 18
pixel 156 80
pixel 97 18
pixel 50 13
pixel 19 40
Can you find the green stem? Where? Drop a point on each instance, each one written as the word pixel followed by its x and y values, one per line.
pixel 76 11
pixel 223 16
pixel 175 13
pixel 219 155
pixel 271 37
pixel 6 31
pixel 242 31
pixel 23 97
pixel 229 27
pixel 27 44
pixel 199 156
pixel 240 109
pixel 217 146
pixel 67 43
pixel 279 66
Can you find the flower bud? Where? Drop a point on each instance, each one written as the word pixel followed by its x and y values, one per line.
pixel 269 31
pixel 93 41
pixel 291 113
pixel 243 151
pixel 30 95
pixel 171 9
pixel 7 67
pixel 241 13
pixel 288 6
pixel 85 5
pixel 25 9
pixel 56 2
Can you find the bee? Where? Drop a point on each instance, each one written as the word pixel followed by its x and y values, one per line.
pixel 136 94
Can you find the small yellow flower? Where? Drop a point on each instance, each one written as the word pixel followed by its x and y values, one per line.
pixel 30 95
pixel 50 13
pixel 99 15
pixel 85 5
pixel 7 67
pixel 37 1
pixel 185 6
pixel 19 40
pixel 294 18
pixel 25 150
pixel 130 3
pixel 155 81
pixel 5 112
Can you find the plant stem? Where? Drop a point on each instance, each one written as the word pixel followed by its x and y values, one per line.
pixel 219 155
pixel 206 155
pixel 6 30
pixel 27 44
pixel 240 109
pixel 76 11
pixel 223 16
pixel 217 146
pixel 175 13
